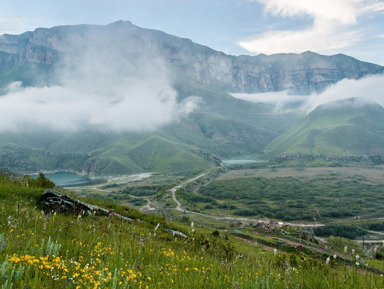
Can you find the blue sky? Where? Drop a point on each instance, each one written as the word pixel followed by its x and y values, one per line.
pixel 353 27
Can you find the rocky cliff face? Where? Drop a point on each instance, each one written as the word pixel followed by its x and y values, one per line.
pixel 298 73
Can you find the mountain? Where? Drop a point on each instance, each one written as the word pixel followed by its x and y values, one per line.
pixel 42 49
pixel 351 127
pixel 220 126
pixel 198 141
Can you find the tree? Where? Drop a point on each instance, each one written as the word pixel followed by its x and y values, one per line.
pixel 43 182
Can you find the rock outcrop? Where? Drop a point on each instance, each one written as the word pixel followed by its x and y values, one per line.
pixel 54 201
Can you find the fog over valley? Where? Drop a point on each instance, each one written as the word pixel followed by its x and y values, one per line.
pixel 101 84
pixel 369 88
pixel 119 98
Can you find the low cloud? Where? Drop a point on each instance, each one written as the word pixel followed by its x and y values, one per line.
pixel 279 99
pixel 369 89
pixel 104 85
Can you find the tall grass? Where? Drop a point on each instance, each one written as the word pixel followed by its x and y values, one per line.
pixel 39 250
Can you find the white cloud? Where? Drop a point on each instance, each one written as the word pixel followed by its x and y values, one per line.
pixel 318 38
pixel 105 84
pixel 280 97
pixel 341 10
pixel 332 28
pixel 374 7
pixel 369 88
pixel 281 100
pixel 142 108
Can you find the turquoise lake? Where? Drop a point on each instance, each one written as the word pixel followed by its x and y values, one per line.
pixel 68 179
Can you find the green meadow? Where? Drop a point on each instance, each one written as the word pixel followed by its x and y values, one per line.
pixel 40 249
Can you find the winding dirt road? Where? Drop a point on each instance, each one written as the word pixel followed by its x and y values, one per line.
pixel 148 208
pixel 173 191
pixel 226 218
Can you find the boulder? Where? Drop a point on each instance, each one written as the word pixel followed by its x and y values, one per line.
pixel 54 201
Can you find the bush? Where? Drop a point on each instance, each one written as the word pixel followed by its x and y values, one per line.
pixel 41 181
pixel 245 213
pixel 349 232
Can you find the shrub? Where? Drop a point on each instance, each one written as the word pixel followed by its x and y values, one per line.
pixel 349 232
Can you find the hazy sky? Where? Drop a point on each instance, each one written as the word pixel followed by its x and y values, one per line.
pixel 353 27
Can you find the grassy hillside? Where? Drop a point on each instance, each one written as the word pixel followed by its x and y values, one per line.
pixel 108 154
pixel 49 250
pixel 343 128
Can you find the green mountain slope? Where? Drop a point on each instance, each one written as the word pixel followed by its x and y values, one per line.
pixel 220 127
pixel 343 128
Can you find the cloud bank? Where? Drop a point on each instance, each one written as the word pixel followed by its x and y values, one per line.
pixel 367 89
pixel 333 25
pixel 282 100
pixel 370 89
pixel 103 85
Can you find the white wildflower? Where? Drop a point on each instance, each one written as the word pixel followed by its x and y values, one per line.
pixel 345 249
pixel 275 251
pixel 334 256
pixel 327 261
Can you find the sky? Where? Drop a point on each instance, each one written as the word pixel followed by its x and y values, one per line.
pixel 352 27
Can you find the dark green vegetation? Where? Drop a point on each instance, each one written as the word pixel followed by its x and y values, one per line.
pixel 55 250
pixel 338 230
pixel 314 196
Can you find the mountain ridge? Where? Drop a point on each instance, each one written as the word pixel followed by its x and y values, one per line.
pixel 221 126
pixel 298 73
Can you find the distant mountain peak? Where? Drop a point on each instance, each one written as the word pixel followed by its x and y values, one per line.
pixel 297 73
